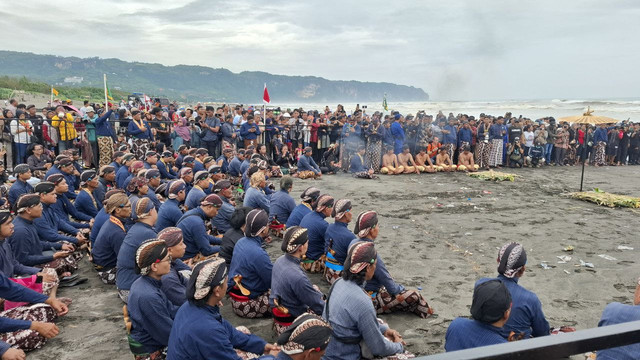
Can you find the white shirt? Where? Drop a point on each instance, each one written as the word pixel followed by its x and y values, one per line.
pixel 528 138
pixel 23 137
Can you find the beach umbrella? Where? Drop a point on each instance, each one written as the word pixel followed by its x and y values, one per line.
pixel 589 119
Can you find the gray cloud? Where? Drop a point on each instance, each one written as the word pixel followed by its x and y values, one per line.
pixel 494 49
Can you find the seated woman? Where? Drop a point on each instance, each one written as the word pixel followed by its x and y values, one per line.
pixel 255 197
pixel 292 293
pixel 199 332
pixel 231 237
pixel 527 319
pixel 443 161
pixel 86 202
pixel 251 268
pixel 337 239
pixel 26 328
pixel 390 164
pixel 150 311
pixel 424 161
pixel 145 217
pixel 490 310
pixel 357 333
pixel 174 283
pixel 387 295
pixel 307 338
pixel 107 245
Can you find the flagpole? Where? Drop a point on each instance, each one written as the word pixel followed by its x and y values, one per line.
pixel 51 102
pixel 105 93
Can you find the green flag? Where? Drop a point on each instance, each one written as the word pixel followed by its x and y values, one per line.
pixel 384 103
pixel 108 91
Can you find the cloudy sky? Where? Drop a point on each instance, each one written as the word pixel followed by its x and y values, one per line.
pixel 453 49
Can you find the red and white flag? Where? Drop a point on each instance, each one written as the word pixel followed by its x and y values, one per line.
pixel 265 96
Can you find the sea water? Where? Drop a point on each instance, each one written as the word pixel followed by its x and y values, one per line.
pixel 533 109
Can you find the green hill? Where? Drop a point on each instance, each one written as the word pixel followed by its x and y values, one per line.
pixel 192 83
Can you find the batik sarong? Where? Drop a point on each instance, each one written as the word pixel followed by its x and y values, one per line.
pixel 407 301
pixel 139 147
pixel 495 154
pixel 600 153
pixel 105 149
pixel 451 149
pixel 62 265
pixel 28 340
pixel 308 174
pixel 248 308
pixel 241 353
pixel 373 156
pixel 108 276
pixel 364 175
pixel 312 266
pixel 123 295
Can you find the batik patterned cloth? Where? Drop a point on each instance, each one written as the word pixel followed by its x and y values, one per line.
pixel 482 154
pixel 28 340
pixel 495 154
pixel 252 308
pixel 600 152
pixel 139 147
pixel 308 174
pixel 108 276
pixel 407 301
pixel 331 275
pixel 105 149
pixel 313 266
pixel 123 295
pixel 243 354
pixel 373 156
pixel 62 265
pixel 451 149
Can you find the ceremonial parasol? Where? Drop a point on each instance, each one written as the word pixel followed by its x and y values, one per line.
pixel 590 119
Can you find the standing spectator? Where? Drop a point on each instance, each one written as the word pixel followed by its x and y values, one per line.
pixel 249 132
pixel 21 129
pixel 210 128
pixel 64 122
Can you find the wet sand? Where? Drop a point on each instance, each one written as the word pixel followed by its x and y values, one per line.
pixel 441 232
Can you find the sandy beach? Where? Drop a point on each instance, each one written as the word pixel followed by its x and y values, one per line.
pixel 441 232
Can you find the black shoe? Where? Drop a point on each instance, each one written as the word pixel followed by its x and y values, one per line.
pixel 69 278
pixel 75 282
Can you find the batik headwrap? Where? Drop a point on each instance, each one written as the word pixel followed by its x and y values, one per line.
pixel 87 176
pixel 257 221
pixel 151 173
pixel 26 201
pixel 143 208
pixel 136 165
pixel 4 216
pixel 44 187
pixel 171 235
pixel 116 200
pixel 211 199
pixel 150 252
pixel 310 194
pixel 21 169
pixel 307 332
pixel 55 178
pixel 323 202
pixel 366 221
pixel 106 169
pixel 162 188
pixel 490 300
pixel 221 185
pixel 200 175
pixel 185 171
pixel 294 237
pixel 110 193
pixel 361 254
pixel 136 183
pixel 511 258
pixel 174 188
pixel 205 276
pixel 340 208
